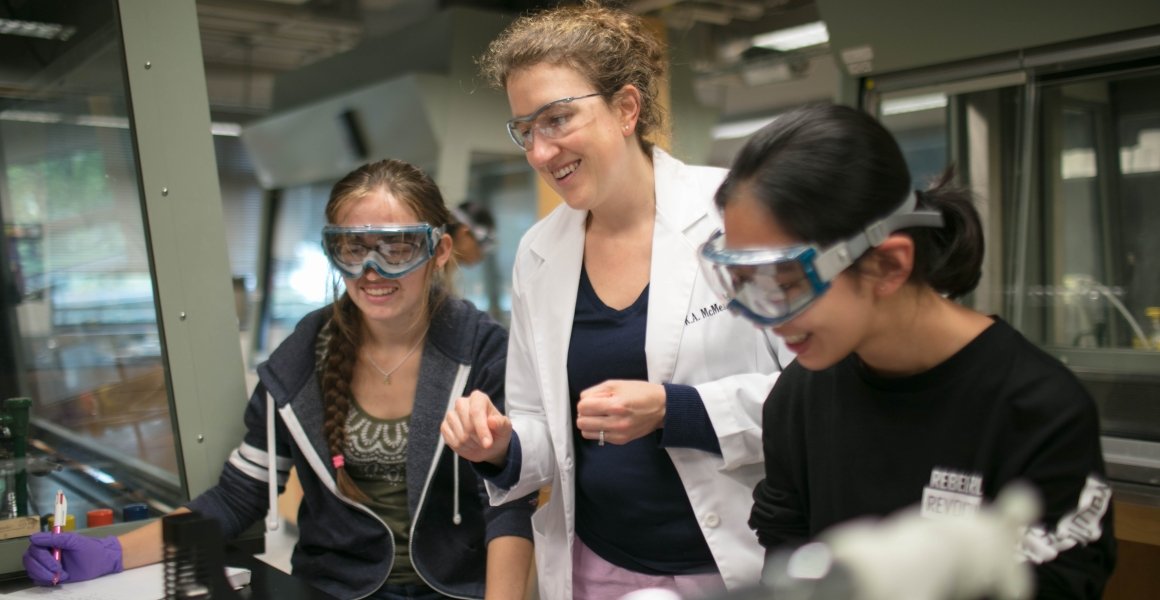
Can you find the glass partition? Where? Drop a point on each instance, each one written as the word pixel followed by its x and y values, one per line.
pixel 80 319
pixel 1065 166
pixel 1098 188
pixel 1099 303
pixel 507 187
pixel 300 278
pixel 919 123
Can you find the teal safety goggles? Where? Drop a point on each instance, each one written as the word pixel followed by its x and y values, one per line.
pixel 391 250
pixel 770 286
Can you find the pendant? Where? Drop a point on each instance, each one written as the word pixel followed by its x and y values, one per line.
pixel 387 379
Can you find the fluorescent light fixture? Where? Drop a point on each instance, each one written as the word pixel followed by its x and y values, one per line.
pixel 1078 163
pixel 28 116
pixel 98 474
pixel 792 38
pixel 103 121
pixel 1144 157
pixel 225 129
pixel 740 129
pixel 34 29
pixel 766 73
pixel 909 104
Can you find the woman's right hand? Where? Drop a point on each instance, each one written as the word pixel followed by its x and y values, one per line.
pixel 477 431
pixel 81 557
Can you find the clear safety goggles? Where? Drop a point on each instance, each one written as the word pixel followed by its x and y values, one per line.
pixel 391 250
pixel 553 120
pixel 770 286
pixel 484 236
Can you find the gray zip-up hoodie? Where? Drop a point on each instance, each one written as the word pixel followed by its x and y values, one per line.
pixel 343 548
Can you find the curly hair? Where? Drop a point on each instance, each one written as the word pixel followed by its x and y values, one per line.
pixel 610 48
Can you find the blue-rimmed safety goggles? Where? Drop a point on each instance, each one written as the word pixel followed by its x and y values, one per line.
pixel 392 250
pixel 770 286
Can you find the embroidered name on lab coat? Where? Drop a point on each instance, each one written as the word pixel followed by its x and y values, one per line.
pixel 704 313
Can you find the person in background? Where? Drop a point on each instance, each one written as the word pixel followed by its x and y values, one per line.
pixel 473 233
pixel 900 395
pixel 360 389
pixel 632 392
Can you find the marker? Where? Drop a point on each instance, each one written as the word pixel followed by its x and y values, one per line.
pixel 59 517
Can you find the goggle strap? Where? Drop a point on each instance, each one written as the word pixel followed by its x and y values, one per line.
pixel 836 258
pixel 434 237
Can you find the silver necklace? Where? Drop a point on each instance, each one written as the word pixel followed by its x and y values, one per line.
pixel 387 374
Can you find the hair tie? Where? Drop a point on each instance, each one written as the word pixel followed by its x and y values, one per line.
pixel 338 461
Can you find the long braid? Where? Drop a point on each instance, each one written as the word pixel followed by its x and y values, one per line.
pixel 341 354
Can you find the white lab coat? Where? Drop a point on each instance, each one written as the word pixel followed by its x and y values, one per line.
pixel 691 339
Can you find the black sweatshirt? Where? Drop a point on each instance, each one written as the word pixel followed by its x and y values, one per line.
pixel 843 443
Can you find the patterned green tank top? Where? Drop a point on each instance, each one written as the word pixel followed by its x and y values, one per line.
pixel 376 459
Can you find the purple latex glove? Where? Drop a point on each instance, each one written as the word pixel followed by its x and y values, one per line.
pixel 81 557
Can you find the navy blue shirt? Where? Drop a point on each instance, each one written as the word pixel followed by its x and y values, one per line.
pixel 631 508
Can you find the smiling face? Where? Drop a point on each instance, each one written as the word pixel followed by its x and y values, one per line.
pixel 402 300
pixel 836 323
pixel 586 166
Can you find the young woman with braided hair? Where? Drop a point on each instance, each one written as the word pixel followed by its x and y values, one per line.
pixel 359 390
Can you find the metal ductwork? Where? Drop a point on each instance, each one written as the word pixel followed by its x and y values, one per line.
pixel 412 95
pixel 325 139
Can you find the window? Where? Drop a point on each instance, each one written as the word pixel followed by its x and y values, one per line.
pixel 1065 165
pixel 81 324
pixel 507 187
pixel 115 310
pixel 300 278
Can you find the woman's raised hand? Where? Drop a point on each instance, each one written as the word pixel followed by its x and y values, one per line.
pixel 477 431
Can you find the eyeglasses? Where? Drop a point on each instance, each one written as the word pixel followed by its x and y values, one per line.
pixel 552 121
pixel 770 286
pixel 391 250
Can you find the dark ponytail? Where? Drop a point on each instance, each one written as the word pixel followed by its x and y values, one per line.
pixel 949 259
pixel 827 171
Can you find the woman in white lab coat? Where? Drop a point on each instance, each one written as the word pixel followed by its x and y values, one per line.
pixel 632 391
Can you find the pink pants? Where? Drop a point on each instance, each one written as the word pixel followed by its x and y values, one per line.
pixel 594 578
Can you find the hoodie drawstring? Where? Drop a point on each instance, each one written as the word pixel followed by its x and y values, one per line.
pixel 456 517
pixel 272 520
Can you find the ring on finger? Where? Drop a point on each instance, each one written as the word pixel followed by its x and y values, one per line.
pixel 601 442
